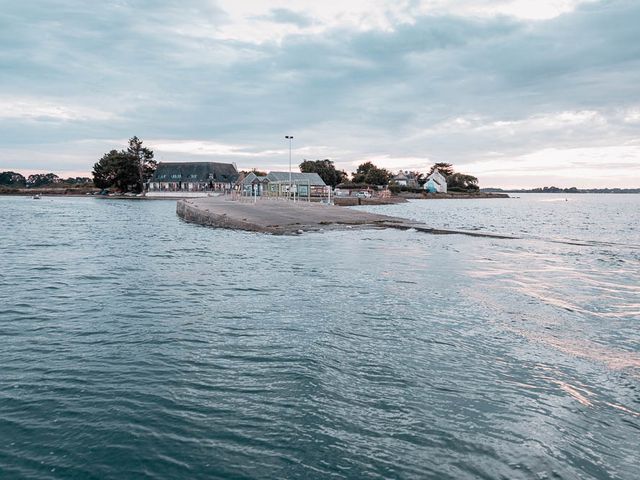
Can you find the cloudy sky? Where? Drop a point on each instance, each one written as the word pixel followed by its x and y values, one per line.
pixel 516 92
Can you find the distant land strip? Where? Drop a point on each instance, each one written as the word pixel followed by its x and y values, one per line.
pixel 561 190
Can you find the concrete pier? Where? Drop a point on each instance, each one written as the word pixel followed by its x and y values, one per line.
pixel 275 216
pixel 283 217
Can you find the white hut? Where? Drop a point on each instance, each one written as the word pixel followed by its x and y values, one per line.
pixel 436 183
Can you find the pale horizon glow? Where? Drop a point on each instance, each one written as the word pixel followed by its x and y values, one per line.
pixel 520 94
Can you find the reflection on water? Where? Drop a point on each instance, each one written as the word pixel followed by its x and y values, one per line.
pixel 134 345
pixel 588 219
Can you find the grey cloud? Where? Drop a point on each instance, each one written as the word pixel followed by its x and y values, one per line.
pixel 371 93
pixel 284 15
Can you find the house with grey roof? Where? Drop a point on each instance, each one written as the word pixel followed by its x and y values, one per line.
pixel 253 184
pixel 192 178
pixel 400 179
pixel 302 184
pixel 405 179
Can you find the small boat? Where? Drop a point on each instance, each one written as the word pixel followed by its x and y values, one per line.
pixel 36 197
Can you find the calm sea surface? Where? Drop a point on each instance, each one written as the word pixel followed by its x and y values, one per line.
pixel 133 345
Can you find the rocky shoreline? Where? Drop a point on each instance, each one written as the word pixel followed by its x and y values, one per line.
pixel 452 195
pixel 403 197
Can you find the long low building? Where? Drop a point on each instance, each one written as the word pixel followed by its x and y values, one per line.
pixel 276 184
pixel 193 177
pixel 304 184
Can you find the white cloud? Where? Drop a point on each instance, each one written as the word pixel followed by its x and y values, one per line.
pixel 632 115
pixel 607 166
pixel 41 109
pixel 522 9
pixel 248 20
pixel 208 148
pixel 248 156
pixel 394 164
pixel 551 121
pixel 534 123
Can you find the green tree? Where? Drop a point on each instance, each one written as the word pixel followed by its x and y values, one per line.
pixel 461 182
pixel 77 180
pixel 116 169
pixel 12 179
pixel 143 158
pixel 326 169
pixel 255 171
pixel 42 179
pixel 125 170
pixel 445 169
pixel 368 173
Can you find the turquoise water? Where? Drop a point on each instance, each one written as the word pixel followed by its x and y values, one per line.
pixel 134 345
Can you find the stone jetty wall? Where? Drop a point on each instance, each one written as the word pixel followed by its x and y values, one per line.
pixel 202 216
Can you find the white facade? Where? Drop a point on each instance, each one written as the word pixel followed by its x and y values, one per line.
pixel 436 182
pixel 400 179
pixel 180 194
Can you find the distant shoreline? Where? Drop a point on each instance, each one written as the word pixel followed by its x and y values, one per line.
pixel 348 200
pixel 58 192
pixel 562 191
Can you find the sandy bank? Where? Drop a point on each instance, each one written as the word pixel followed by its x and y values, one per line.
pixel 282 217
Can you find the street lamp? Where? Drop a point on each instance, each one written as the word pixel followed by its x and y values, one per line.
pixel 289 137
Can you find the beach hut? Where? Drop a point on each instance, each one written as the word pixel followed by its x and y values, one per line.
pixel 436 183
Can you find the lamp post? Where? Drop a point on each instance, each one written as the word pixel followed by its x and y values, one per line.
pixel 289 137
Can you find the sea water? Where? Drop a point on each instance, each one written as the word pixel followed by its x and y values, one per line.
pixel 134 345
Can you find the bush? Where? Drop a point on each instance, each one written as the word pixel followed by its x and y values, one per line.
pixel 462 190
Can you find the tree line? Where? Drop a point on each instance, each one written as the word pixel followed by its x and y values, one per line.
pixel 126 170
pixel 369 174
pixel 38 180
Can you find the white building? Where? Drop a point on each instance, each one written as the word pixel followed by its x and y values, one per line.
pixel 189 179
pixel 436 183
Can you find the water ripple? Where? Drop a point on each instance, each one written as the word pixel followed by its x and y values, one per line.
pixel 196 353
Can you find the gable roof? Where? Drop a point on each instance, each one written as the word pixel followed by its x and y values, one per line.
pixel 195 172
pixel 437 177
pixel 253 178
pixel 313 178
pixel 249 178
